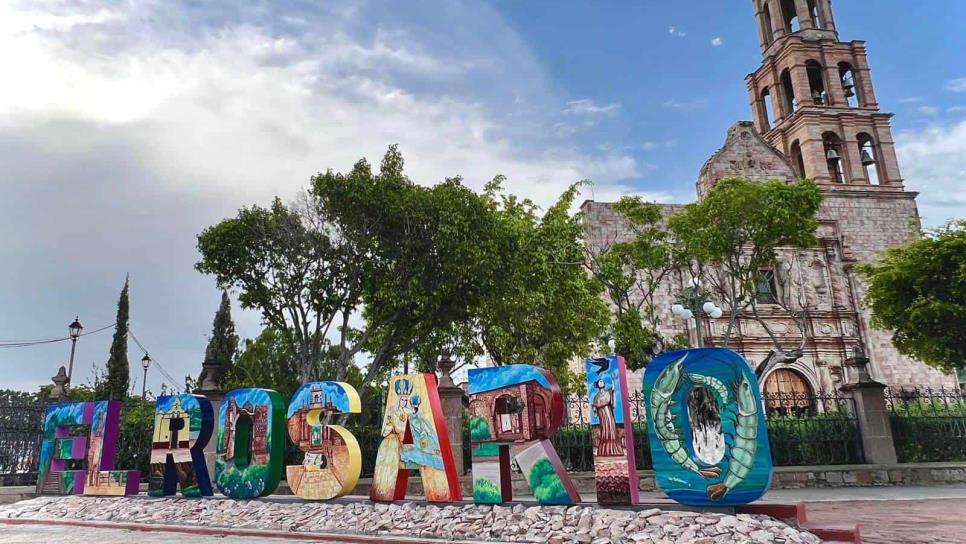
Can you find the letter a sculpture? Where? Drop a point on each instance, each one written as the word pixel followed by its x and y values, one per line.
pixel 414 437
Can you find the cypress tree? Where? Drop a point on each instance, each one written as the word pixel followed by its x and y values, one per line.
pixel 118 380
pixel 223 342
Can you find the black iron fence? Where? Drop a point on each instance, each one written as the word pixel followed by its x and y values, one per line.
pixel 803 429
pixel 21 428
pixel 807 429
pixel 928 424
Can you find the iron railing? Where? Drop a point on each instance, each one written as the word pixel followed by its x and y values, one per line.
pixel 928 424
pixel 812 429
pixel 21 430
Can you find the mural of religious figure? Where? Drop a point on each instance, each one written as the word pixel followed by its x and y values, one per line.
pixel 393 433
pixel 423 452
pixel 609 443
pixel 414 437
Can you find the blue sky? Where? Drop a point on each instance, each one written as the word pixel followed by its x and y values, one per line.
pixel 128 127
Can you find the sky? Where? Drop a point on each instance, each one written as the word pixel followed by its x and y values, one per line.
pixel 128 127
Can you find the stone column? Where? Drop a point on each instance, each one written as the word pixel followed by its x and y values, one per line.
pixel 451 397
pixel 871 411
pixel 211 390
pixel 59 391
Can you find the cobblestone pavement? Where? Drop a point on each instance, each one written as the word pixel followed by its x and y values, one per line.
pixel 938 521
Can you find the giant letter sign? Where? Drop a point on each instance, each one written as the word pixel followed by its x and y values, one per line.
pixel 611 432
pixel 706 426
pixel 414 436
pixel 102 479
pixel 251 443
pixel 99 449
pixel 514 410
pixel 182 428
pixel 59 447
pixel 333 460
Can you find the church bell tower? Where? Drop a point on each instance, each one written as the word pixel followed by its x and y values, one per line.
pixel 813 99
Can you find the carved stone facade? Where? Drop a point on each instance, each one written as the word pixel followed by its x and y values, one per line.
pixel 824 125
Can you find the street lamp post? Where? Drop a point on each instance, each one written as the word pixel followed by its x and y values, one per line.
pixel 695 302
pixel 145 363
pixel 75 330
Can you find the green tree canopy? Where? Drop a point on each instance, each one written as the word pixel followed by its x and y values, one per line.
pixel 919 291
pixel 117 380
pixel 734 233
pixel 297 276
pixel 411 259
pixel 631 271
pixel 427 260
pixel 545 308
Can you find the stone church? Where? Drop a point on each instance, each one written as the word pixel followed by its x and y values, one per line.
pixel 815 116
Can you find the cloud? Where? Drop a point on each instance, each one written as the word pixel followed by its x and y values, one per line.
pixel 928 110
pixel 910 100
pixel 674 31
pixel 127 128
pixel 686 105
pixel 716 42
pixel 956 109
pixel 586 106
pixel 933 160
pixel 651 146
pixel 957 85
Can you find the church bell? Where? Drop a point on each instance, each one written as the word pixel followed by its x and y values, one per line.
pixel 867 159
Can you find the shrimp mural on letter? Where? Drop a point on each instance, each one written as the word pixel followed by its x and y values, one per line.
pixel 705 413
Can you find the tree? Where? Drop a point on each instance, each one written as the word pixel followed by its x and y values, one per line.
pixel 427 255
pixel 544 309
pixel 223 342
pixel 734 233
pixel 117 381
pixel 411 259
pixel 299 277
pixel 631 272
pixel 267 361
pixel 919 291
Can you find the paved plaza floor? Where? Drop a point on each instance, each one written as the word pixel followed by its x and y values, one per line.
pixel 34 534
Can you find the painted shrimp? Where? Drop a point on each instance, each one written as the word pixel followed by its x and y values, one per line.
pixel 742 453
pixel 664 387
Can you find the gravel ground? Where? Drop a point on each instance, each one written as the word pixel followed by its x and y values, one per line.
pixel 538 524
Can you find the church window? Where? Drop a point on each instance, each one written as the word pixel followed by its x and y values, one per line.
pixel 868 156
pixel 788 91
pixel 833 157
pixel 797 160
pixel 790 16
pixel 816 82
pixel 765 289
pixel 768 108
pixel 849 86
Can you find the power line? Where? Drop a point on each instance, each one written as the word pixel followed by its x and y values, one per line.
pixel 29 343
pixel 164 373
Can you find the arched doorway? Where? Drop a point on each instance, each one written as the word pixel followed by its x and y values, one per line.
pixel 786 392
